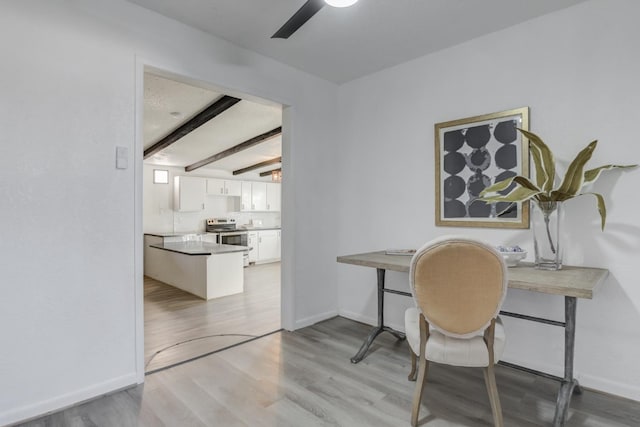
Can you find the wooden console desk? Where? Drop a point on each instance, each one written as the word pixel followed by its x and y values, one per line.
pixel 570 282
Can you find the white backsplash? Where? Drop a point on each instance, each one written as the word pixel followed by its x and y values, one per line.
pixel 269 219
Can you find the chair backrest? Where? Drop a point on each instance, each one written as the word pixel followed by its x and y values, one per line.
pixel 459 284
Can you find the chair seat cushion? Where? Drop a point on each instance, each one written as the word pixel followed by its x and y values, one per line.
pixel 444 349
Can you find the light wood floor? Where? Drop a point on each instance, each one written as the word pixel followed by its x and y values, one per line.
pixel 304 378
pixel 180 326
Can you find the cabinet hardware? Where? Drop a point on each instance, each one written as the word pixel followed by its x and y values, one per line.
pixel 221 190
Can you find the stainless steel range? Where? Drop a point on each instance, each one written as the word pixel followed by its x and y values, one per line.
pixel 228 234
pixel 219 225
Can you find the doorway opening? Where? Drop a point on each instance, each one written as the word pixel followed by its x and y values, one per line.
pixel 210 158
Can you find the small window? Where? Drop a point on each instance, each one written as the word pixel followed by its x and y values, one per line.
pixel 160 176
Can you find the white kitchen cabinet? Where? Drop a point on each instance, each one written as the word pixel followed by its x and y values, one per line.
pixel 259 196
pixel 245 196
pixel 268 245
pixel 253 196
pixel 188 193
pixel 273 197
pixel 233 188
pixel 222 187
pixel 252 242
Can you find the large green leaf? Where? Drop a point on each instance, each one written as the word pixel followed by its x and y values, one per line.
pixel 601 208
pixel 592 174
pixel 574 178
pixel 505 183
pixel 498 186
pixel 541 174
pixel 557 196
pixel 524 182
pixel 518 194
pixel 543 159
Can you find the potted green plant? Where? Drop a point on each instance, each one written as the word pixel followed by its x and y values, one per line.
pixel 547 199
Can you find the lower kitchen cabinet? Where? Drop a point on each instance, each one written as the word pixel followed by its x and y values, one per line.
pixel 252 242
pixel 266 246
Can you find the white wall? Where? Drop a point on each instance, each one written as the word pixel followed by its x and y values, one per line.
pixel 159 214
pixel 71 263
pixel 577 71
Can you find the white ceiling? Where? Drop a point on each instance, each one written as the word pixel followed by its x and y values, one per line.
pixel 337 44
pixel 341 44
pixel 169 103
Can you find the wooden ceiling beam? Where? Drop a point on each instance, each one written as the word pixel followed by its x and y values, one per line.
pixel 267 173
pixel 258 165
pixel 218 107
pixel 236 149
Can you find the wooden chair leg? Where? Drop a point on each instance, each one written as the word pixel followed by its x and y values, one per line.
pixel 417 394
pixel 494 398
pixel 413 373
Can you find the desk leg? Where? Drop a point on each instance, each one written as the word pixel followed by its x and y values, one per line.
pixel 377 330
pixel 569 384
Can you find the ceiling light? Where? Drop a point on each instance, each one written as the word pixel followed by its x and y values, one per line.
pixel 340 3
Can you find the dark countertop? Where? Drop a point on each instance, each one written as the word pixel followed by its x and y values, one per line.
pixel 200 248
pixel 174 233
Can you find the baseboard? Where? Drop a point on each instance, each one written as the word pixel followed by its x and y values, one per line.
pixel 550 369
pixel 592 382
pixel 604 385
pixel 312 320
pixel 29 412
pixel 359 317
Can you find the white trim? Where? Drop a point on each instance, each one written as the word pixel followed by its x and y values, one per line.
pixel 373 321
pixel 64 401
pixel 287 223
pixel 592 382
pixel 138 242
pixel 287 280
pixel 551 369
pixel 312 320
pixel 612 387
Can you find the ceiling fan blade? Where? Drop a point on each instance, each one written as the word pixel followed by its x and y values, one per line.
pixel 310 8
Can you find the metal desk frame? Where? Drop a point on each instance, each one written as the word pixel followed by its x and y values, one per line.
pixel 568 384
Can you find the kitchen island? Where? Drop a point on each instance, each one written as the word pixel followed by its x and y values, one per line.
pixel 207 270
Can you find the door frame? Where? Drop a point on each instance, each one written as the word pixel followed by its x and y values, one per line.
pixel 287 295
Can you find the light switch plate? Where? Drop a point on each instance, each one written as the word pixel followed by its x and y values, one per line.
pixel 122 157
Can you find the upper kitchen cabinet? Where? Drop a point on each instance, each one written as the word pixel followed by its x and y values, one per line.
pixel 273 196
pixel 188 193
pixel 221 187
pixel 254 196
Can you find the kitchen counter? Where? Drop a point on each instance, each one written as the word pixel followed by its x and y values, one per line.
pixel 199 248
pixel 203 268
pixel 175 233
pixel 259 228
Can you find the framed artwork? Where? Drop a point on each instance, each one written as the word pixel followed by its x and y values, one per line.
pixel 472 154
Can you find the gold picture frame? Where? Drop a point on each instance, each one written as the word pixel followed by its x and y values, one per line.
pixel 470 155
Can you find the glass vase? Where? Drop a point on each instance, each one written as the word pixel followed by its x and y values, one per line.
pixel 546 221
